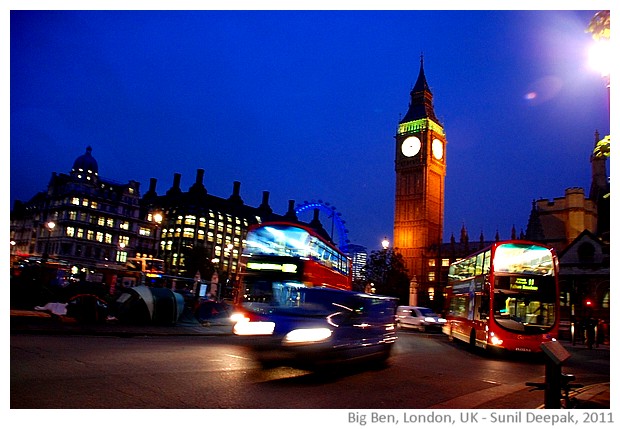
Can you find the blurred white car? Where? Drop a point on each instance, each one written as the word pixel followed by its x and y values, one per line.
pixel 420 318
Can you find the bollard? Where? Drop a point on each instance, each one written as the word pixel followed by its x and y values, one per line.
pixel 555 356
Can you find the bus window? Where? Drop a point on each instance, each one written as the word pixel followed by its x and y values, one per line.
pixel 459 306
pixel 479 264
pixel 487 262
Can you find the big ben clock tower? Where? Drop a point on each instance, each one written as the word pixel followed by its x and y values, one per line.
pixel 420 163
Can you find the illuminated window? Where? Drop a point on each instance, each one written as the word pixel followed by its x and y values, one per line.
pixel 431 262
pixel 431 276
pixel 70 231
pixel 90 234
pixel 210 236
pixel 123 240
pixel 190 220
pixel 109 222
pixel 108 238
pixel 85 202
pixel 80 233
pixel 121 256
pixel 431 293
pixel 146 232
pixel 124 225
pixel 211 224
pixel 72 215
pixel 75 201
pixel 201 234
pixel 445 262
pixel 94 205
pixel 101 221
pixel 188 232
pixel 100 237
pixel 202 222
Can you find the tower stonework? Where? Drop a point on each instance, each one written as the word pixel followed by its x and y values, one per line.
pixel 420 164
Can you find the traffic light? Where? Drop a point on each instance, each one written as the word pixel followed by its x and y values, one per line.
pixel 589 303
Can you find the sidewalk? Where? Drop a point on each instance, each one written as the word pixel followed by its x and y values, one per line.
pixel 593 396
pixel 39 322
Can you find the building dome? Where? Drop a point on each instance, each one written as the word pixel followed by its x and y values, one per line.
pixel 85 164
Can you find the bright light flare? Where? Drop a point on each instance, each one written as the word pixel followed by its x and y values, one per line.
pixel 600 57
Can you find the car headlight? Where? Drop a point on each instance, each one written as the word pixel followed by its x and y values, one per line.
pixel 238 317
pixel 245 327
pixel 305 336
pixel 429 319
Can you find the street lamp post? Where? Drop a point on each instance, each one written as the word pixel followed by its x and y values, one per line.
pixel 49 226
pixel 157 218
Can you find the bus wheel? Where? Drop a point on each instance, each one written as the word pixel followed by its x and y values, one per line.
pixel 472 339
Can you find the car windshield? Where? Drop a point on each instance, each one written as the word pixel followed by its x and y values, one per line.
pixel 525 304
pixel 427 312
pixel 294 298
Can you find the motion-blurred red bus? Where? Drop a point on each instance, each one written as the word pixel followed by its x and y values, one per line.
pixel 280 257
pixel 505 296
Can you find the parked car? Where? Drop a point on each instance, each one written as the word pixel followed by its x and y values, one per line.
pixel 420 318
pixel 314 326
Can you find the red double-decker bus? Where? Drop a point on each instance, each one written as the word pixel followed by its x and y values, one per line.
pixel 505 296
pixel 280 257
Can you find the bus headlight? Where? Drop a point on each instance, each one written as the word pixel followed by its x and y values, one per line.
pixel 494 339
pixel 305 336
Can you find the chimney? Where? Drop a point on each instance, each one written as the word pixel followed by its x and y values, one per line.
pixel 290 214
pixel 235 197
pixel 198 187
pixel 264 207
pixel 176 185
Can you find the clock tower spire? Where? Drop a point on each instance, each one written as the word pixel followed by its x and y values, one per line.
pixel 420 164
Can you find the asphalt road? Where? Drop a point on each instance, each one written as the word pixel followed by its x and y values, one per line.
pixel 210 373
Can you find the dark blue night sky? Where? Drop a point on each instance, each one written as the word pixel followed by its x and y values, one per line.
pixel 305 105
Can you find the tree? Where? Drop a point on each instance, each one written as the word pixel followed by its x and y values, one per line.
pixel 599 25
pixel 386 270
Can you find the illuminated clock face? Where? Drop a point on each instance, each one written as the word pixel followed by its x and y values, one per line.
pixel 437 149
pixel 411 146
